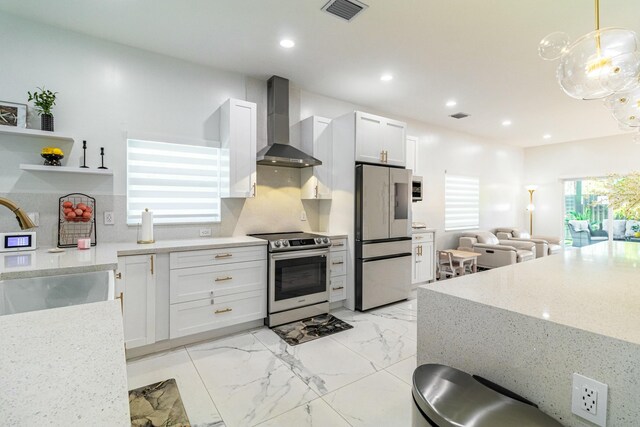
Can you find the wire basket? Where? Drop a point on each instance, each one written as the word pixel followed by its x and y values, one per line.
pixel 76 219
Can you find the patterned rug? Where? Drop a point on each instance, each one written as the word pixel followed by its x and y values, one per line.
pixel 310 329
pixel 157 405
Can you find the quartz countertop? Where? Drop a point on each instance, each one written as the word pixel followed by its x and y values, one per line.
pixel 595 288
pixel 64 367
pixel 104 256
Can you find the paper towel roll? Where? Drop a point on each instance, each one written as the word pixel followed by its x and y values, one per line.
pixel 146 234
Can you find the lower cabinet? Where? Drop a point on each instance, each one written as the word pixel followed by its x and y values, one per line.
pixel 216 289
pixel 423 258
pixel 338 267
pixel 136 284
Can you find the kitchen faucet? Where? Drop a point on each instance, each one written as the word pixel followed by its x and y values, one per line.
pixel 23 219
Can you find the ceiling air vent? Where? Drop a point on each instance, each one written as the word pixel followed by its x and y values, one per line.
pixel 345 9
pixel 459 115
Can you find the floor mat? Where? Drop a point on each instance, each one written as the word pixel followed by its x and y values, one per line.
pixel 310 329
pixel 157 405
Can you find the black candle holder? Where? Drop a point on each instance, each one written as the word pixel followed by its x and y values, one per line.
pixel 102 159
pixel 84 155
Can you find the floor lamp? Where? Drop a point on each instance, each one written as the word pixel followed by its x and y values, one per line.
pixel 531 207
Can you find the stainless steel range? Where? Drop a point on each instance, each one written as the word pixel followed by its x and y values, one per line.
pixel 298 276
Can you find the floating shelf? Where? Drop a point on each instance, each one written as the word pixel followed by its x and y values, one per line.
pixel 34 133
pixel 65 169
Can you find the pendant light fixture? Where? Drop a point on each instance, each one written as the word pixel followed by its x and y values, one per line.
pixel 603 64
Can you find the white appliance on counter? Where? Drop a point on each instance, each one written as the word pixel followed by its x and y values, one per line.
pixel 18 241
pixel 383 235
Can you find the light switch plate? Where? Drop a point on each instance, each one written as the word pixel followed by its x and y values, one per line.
pixel 589 399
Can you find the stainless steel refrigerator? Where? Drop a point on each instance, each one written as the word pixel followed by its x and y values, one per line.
pixel 383 235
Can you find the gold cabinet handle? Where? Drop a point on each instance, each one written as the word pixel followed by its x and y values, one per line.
pixel 151 264
pixel 253 190
pixel 337 262
pixel 417 237
pixel 121 298
pixel 226 310
pixel 315 190
pixel 338 288
pixel 218 256
pixel 118 275
pixel 337 245
pixel 222 279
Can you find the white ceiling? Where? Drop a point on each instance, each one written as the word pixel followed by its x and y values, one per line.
pixel 482 53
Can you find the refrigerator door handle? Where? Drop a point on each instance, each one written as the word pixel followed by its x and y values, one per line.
pixel 380 258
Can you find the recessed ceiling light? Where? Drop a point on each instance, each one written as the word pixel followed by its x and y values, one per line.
pixel 546 136
pixel 386 77
pixel 287 44
pixel 506 123
pixel 451 103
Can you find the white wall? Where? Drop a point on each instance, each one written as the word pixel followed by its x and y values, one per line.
pixel 547 165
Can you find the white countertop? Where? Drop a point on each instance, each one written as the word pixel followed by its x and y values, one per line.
pixel 67 367
pixel 595 288
pixel 38 263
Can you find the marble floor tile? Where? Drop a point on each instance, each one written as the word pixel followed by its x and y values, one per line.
pixel 378 339
pixel 404 369
pixel 380 399
pixel 323 364
pixel 177 364
pixel 247 382
pixel 313 414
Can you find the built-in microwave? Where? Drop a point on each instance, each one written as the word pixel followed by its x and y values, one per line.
pixel 416 188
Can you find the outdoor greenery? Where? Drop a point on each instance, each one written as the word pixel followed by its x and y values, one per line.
pixel 623 193
pixel 43 100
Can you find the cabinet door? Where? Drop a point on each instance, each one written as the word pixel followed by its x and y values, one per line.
pixel 395 142
pixel 238 131
pixel 415 259
pixel 137 284
pixel 412 143
pixel 369 137
pixel 323 150
pixel 424 259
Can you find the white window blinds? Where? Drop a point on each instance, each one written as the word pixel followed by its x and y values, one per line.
pixel 179 183
pixel 462 202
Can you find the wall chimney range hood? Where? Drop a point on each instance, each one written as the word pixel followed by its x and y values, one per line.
pixel 279 152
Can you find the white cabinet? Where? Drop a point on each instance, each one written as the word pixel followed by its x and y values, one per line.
pixel 412 154
pixel 136 280
pixel 423 258
pixel 316 139
pixel 238 132
pixel 380 140
pixel 338 267
pixel 216 288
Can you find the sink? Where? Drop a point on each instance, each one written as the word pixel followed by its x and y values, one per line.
pixel 42 293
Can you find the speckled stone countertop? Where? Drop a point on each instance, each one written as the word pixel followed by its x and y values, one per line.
pixel 595 289
pixel 64 367
pixel 38 263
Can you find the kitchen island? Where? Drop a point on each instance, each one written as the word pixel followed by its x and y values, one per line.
pixel 530 326
pixel 64 366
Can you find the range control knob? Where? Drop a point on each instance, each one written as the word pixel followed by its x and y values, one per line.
pixel 318 240
pixel 276 243
pixel 325 240
pixel 285 243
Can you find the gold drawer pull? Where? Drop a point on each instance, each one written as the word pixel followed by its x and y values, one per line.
pixel 338 288
pixel 417 237
pixel 226 310
pixel 337 262
pixel 222 279
pixel 336 245
pixel 224 256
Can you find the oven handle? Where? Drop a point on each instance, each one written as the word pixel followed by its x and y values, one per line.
pixel 300 254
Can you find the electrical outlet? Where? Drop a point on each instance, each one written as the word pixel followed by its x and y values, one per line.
pixel 205 232
pixel 303 216
pixel 589 399
pixel 35 218
pixel 109 219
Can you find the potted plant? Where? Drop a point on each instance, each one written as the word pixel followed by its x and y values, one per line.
pixel 636 230
pixel 44 100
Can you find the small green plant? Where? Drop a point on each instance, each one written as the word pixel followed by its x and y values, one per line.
pixel 635 228
pixel 43 100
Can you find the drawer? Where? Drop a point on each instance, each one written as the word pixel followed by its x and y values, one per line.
pixel 423 237
pixel 338 263
pixel 192 317
pixel 338 245
pixel 216 256
pixel 190 284
pixel 337 288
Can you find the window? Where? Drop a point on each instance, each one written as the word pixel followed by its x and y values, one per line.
pixel 179 183
pixel 462 202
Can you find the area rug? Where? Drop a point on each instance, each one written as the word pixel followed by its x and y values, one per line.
pixel 310 329
pixel 157 405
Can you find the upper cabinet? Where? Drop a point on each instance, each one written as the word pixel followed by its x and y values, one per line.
pixel 316 139
pixel 380 140
pixel 238 130
pixel 412 154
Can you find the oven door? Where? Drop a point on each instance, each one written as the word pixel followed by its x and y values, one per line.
pixel 298 279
